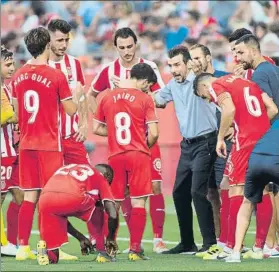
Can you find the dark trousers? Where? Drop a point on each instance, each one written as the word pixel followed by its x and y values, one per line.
pixel 191 183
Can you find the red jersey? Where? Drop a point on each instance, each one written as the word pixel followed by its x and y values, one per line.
pixel 39 90
pixel 71 68
pixel 79 180
pixel 126 113
pixel 250 120
pixel 103 80
pixel 7 138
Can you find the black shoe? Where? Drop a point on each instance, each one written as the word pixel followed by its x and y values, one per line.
pixel 202 251
pixel 181 249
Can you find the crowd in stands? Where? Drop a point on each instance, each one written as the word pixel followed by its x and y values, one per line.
pixel 160 25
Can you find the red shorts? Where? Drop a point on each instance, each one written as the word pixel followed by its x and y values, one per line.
pixel 156 164
pixel 131 168
pixel 237 165
pixel 54 208
pixel 74 152
pixel 36 168
pixel 9 173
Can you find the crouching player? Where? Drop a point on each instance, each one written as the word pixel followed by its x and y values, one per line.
pixel 76 190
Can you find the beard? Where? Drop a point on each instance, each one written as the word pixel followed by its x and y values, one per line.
pixel 246 65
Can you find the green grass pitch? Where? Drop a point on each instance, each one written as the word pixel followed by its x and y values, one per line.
pixel 157 262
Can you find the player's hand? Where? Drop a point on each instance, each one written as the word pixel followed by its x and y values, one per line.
pixel 230 134
pixel 195 66
pixel 116 82
pixel 81 134
pixel 86 247
pixel 221 149
pixel 239 70
pixel 111 247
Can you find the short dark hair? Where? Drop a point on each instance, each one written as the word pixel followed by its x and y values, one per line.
pixel 60 25
pixel 194 14
pixel 203 48
pixel 180 50
pixel 191 41
pixel 106 170
pixel 36 41
pixel 143 71
pixel 124 33
pixel 198 79
pixel 237 34
pixel 250 40
pixel 5 53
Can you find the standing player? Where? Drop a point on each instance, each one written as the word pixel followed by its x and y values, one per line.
pixel 39 90
pixel 125 41
pixel 239 69
pixel 9 159
pixel 73 128
pixel 123 116
pixel 76 190
pixel 201 54
pixel 244 104
pixel 266 75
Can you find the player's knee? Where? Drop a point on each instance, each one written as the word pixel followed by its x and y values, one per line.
pixel 156 187
pixel 18 195
pixel 31 196
pixel 237 190
pixel 225 183
pixel 138 202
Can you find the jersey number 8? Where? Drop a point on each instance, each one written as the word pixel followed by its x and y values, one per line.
pixel 31 104
pixel 122 121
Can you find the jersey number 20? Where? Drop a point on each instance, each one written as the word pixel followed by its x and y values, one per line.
pixel 252 103
pixel 31 104
pixel 122 121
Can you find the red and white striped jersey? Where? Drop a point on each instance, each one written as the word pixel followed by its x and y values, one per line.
pixel 7 138
pixel 103 80
pixel 71 67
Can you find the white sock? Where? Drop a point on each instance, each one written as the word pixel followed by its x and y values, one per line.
pixel 157 240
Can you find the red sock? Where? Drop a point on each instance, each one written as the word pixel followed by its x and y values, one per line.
pixel 137 224
pixel 126 207
pixel 235 203
pixel 157 213
pixel 224 213
pixel 96 228
pixel 12 222
pixel 25 222
pixel 263 219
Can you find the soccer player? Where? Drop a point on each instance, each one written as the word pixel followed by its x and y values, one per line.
pixel 79 191
pixel 202 55
pixel 263 167
pixel 9 158
pixel 38 92
pixel 239 69
pixel 266 76
pixel 125 42
pixel 124 115
pixel 73 128
pixel 250 110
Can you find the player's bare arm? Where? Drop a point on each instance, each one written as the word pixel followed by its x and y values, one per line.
pixel 153 134
pixel 100 129
pixel 227 117
pixel 92 101
pixel 271 108
pixel 71 105
pixel 85 244
pixel 82 132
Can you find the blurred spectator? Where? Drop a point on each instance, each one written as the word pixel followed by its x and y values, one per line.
pixel 176 33
pixel 192 22
pixel 78 42
pixel 269 41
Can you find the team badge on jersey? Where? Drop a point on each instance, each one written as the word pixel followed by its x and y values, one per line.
pixel 157 164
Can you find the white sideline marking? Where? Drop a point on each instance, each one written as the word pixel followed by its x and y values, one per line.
pixel 36 232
